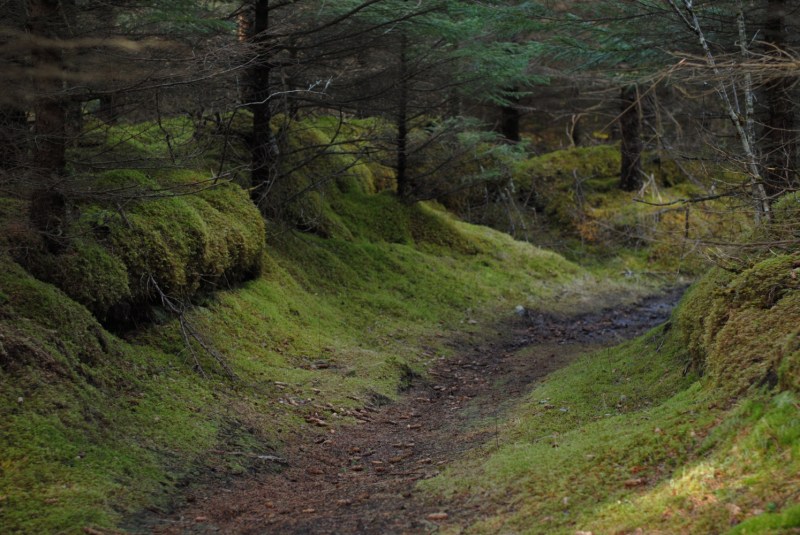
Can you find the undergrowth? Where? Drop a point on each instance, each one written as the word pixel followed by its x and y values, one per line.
pixel 692 428
pixel 95 427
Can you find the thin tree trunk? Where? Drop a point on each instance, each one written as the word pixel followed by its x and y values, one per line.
pixel 631 172
pixel 509 123
pixel 263 154
pixel 763 211
pixel 403 184
pixel 48 204
pixel 780 149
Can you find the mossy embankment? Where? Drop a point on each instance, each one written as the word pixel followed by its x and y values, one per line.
pixel 692 428
pixel 97 424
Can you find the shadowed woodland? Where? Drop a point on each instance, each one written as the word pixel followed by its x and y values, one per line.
pixel 385 266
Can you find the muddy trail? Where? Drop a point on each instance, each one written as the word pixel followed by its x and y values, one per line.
pixel 362 478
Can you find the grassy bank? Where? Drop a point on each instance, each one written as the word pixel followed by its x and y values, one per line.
pixel 96 425
pixel 692 428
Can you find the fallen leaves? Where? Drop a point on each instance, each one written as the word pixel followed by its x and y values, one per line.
pixel 317 421
pixel 437 516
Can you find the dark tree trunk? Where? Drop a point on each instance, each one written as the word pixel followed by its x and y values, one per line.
pixel 48 203
pixel 509 122
pixel 631 173
pixel 107 112
pixel 263 153
pixel 404 186
pixel 13 133
pixel 13 126
pixel 780 143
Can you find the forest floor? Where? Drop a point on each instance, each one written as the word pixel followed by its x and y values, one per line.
pixel 362 478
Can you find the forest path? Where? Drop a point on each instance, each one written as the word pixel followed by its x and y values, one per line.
pixel 434 423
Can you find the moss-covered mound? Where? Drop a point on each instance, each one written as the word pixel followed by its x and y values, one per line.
pixel 189 234
pixel 742 323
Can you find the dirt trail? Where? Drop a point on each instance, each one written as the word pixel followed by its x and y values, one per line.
pixel 323 490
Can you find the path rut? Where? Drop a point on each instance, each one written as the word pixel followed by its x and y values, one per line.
pixel 362 479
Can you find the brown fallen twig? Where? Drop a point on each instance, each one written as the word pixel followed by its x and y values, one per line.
pixel 251 456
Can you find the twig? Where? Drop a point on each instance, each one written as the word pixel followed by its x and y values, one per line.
pixel 188 332
pixel 271 458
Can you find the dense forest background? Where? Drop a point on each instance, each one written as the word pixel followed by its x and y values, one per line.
pixel 444 96
pixel 231 230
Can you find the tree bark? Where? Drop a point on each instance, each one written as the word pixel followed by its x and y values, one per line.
pixel 509 125
pixel 631 148
pixel 780 150
pixel 404 186
pixel 13 123
pixel 263 153
pixel 13 133
pixel 48 202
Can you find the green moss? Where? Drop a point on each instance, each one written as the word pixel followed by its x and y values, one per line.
pixel 769 523
pixel 567 450
pixel 87 273
pixel 741 326
pixel 180 241
pixel 632 442
pixel 400 271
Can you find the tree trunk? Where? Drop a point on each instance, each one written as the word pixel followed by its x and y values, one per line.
pixel 404 187
pixel 263 153
pixel 48 203
pixel 13 131
pixel 509 125
pixel 13 125
pixel 631 148
pixel 780 148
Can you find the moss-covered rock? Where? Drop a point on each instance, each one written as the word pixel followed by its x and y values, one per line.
pixel 742 326
pixel 190 234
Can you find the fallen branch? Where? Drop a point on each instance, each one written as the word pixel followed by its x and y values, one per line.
pixel 188 332
pixel 271 458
